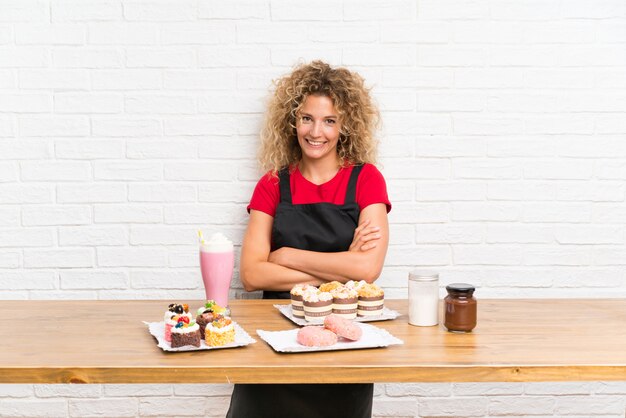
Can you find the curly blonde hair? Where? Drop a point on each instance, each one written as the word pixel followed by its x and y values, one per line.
pixel 358 115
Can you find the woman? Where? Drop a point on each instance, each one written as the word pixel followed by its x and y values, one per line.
pixel 319 214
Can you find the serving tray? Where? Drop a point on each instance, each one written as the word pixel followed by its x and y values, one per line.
pixel 386 315
pixel 286 341
pixel 157 329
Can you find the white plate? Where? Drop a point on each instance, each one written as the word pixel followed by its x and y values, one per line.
pixel 286 341
pixel 157 329
pixel 386 315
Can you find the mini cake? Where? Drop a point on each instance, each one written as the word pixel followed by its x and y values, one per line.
pixel 330 286
pixel 317 306
pixel 345 302
pixel 220 332
pixel 171 316
pixel 207 314
pixel 185 333
pixel 371 300
pixel 296 293
pixel 315 337
pixel 352 284
pixel 344 328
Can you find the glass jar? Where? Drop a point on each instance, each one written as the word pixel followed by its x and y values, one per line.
pixel 460 308
pixel 423 298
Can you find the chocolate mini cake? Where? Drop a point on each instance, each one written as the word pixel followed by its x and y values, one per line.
pixel 203 319
pixel 185 334
pixel 207 314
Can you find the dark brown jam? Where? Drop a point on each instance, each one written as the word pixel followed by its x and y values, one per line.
pixel 460 307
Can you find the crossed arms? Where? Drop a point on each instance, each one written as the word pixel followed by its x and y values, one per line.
pixel 262 268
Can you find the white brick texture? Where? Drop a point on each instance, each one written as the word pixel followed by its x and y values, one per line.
pixel 126 125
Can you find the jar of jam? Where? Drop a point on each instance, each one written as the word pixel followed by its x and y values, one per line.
pixel 460 308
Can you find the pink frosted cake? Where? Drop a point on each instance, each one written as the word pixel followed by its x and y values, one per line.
pixel 171 316
pixel 315 337
pixel 344 328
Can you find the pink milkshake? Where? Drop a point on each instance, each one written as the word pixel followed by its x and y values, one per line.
pixel 217 260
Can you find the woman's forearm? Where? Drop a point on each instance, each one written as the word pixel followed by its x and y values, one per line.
pixel 265 275
pixel 341 266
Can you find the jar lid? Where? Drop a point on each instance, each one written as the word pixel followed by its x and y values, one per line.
pixel 460 287
pixel 424 275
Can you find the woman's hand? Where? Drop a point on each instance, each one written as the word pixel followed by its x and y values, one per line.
pixel 365 237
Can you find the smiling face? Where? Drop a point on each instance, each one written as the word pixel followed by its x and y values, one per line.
pixel 318 128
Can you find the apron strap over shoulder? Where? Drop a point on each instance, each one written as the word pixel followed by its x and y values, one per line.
pixel 351 190
pixel 284 184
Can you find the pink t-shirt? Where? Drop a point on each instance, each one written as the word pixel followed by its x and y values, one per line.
pixel 370 188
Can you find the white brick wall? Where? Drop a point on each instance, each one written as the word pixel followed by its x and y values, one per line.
pixel 125 125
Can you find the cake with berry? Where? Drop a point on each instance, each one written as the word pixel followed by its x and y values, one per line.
pixel 207 314
pixel 171 316
pixel 185 333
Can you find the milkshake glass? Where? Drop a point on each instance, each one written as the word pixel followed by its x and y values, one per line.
pixel 217 260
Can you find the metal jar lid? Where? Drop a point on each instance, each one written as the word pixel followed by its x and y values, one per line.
pixel 460 287
pixel 423 275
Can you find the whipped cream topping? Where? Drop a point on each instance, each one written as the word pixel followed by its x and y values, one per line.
pixel 317 297
pixel 218 243
pixel 186 329
pixel 167 317
pixel 221 330
pixel 300 289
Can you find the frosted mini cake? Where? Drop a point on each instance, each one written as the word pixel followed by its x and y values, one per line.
pixel 297 293
pixel 317 306
pixel 185 333
pixel 172 314
pixel 345 302
pixel 371 300
pixel 220 332
pixel 207 314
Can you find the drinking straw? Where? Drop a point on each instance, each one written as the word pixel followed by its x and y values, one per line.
pixel 200 236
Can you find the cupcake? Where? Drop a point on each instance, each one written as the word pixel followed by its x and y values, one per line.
pixel 171 316
pixel 185 333
pixel 317 306
pixel 371 300
pixel 352 284
pixel 345 302
pixel 296 293
pixel 220 332
pixel 330 286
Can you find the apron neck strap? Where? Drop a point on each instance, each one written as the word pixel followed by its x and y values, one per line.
pixel 351 191
pixel 285 187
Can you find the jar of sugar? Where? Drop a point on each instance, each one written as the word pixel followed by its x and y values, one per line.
pixel 423 298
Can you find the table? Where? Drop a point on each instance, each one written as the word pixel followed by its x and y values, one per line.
pixel 515 340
